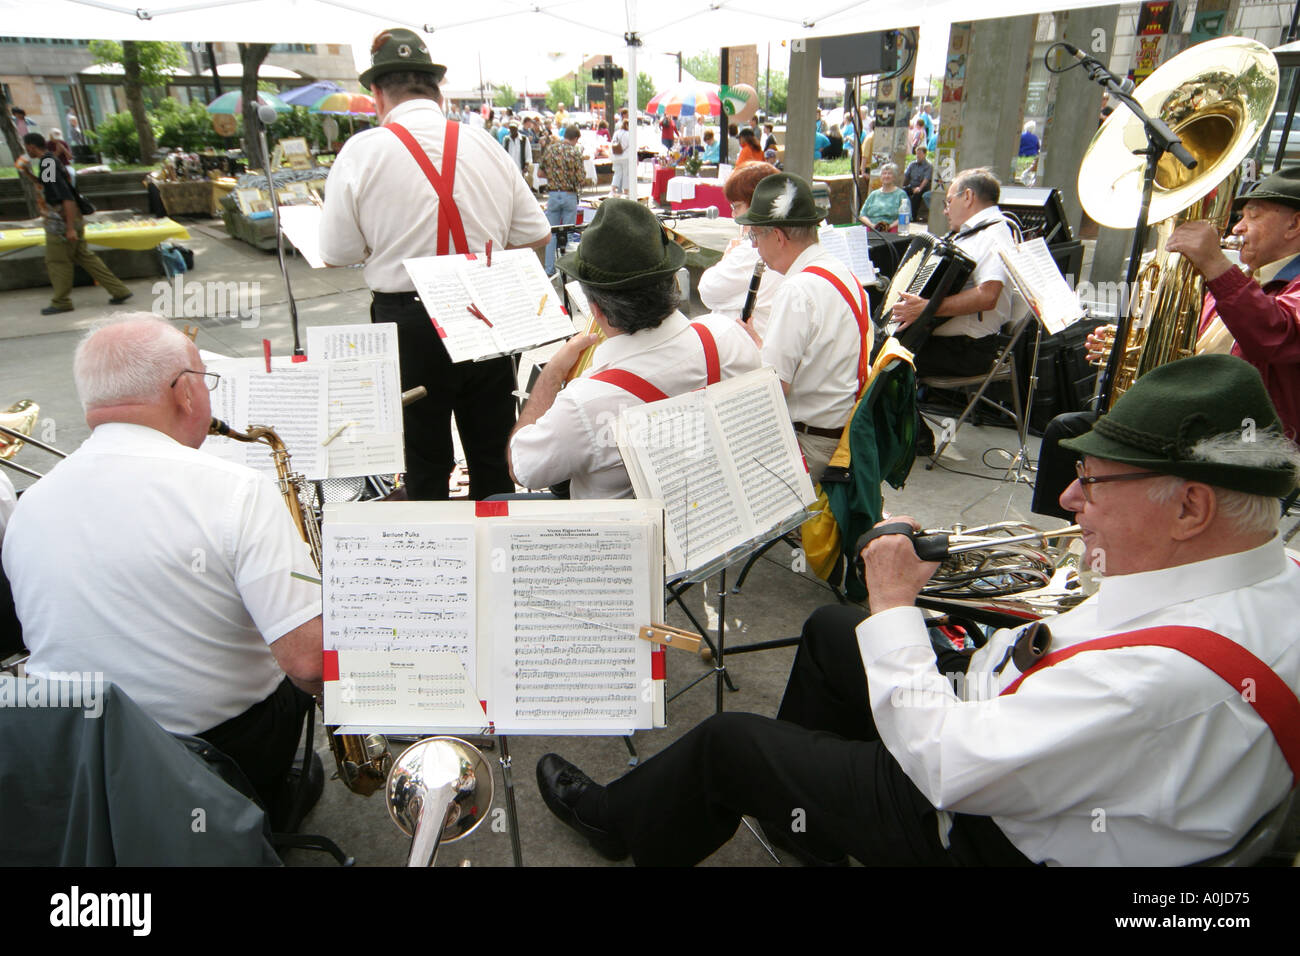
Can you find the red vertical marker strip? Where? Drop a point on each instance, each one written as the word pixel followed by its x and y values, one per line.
pixel 298 358
pixel 489 253
pixel 658 668
pixel 491 509
pixel 330 665
pixel 266 350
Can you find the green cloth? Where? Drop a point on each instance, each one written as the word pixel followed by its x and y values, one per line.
pixel 882 446
pixel 61 258
pixel 882 206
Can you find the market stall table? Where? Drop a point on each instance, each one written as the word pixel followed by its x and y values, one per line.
pixel 137 234
pixel 686 192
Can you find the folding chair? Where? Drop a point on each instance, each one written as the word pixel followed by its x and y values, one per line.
pixel 1002 370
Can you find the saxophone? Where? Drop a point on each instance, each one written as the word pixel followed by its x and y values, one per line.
pixel 363 760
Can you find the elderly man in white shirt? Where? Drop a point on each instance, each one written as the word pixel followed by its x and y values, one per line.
pixel 421 186
pixel 965 344
pixel 627 266
pixel 177 575
pixel 1157 731
pixel 819 336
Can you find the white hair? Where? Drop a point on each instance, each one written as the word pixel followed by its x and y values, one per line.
pixel 1248 514
pixel 132 357
pixel 1029 127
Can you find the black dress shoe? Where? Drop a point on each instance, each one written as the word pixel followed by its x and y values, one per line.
pixel 56 309
pixel 119 299
pixel 563 785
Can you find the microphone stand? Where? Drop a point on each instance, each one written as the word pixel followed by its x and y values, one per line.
pixel 264 120
pixel 1160 140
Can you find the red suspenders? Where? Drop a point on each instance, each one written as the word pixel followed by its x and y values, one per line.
pixel 647 392
pixel 449 222
pixel 860 312
pixel 1259 685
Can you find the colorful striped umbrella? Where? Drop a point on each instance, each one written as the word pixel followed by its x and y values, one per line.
pixel 686 99
pixel 233 102
pixel 353 104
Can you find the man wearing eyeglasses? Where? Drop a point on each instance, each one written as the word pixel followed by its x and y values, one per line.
pixel 965 343
pixel 177 575
pixel 1158 730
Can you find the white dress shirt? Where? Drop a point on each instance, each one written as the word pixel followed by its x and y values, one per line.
pixel 577 437
pixel 164 568
pixel 725 286
pixel 381 209
pixel 983 248
pixel 813 341
pixel 1113 757
pixel 8 499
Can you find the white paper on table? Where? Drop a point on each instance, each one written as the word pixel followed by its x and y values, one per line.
pixel 301 226
pixel 330 343
pixel 402 689
pixel 567 652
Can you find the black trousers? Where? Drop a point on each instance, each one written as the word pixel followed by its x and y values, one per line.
pixel 263 741
pixel 956 355
pixel 481 394
pixel 1056 465
pixel 819 770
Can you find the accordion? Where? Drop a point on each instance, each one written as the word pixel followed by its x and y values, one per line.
pixel 931 269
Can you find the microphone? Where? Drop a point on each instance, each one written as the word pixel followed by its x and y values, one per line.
pixel 1125 85
pixel 710 213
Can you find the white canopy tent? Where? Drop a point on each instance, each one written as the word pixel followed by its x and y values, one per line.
pixel 664 25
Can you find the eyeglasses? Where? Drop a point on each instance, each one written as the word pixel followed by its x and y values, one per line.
pixel 210 379
pixel 947 200
pixel 1086 481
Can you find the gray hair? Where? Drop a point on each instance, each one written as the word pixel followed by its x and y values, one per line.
pixel 796 234
pixel 1248 514
pixel 892 167
pixel 129 358
pixel 981 182
pixel 1029 127
pixel 643 306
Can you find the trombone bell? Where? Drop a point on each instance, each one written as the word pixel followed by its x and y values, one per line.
pixel 439 790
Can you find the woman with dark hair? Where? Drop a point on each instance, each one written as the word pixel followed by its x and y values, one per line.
pixel 724 287
pixel 750 149
pixel 835 149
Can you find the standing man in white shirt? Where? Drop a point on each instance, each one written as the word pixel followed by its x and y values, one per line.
pixel 965 344
pixel 1133 741
pixel 819 334
pixel 178 576
pixel 627 265
pixel 421 186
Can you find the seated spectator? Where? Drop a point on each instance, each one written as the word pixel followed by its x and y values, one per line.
pixel 880 210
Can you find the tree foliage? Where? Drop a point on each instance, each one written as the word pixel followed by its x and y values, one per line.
pixel 504 95
pixel 704 65
pixel 157 60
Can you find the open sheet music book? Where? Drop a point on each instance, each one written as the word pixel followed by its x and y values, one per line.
pixel 520 615
pixel 849 245
pixel 723 460
pixel 339 414
pixel 513 295
pixel 1035 274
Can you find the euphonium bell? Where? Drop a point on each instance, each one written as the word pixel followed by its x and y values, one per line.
pixel 439 790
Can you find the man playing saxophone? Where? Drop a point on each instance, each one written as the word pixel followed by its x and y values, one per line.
pixel 178 576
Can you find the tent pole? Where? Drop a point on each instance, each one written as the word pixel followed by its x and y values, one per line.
pixel 634 114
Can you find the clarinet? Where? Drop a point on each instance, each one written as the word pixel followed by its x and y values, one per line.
pixel 752 296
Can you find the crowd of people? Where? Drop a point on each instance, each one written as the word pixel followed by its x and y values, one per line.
pixel 991 758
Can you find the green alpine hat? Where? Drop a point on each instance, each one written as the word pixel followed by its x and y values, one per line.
pixel 1282 187
pixel 624 246
pixel 1155 423
pixel 782 200
pixel 399 51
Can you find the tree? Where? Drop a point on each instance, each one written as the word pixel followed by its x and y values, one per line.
pixel 561 92
pixel 251 56
pixel 10 133
pixel 504 95
pixel 645 90
pixel 146 64
pixel 779 93
pixel 704 65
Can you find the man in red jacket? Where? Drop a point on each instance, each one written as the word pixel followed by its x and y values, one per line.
pixel 1262 309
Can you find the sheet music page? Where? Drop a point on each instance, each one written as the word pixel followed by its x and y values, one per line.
pixel 446 297
pixel 364 428
pixel 756 422
pixel 290 399
pixel 1042 285
pixel 572 595
pixel 402 689
pixel 855 240
pixel 678 445
pixel 328 343
pixel 832 240
pixel 301 226
pixel 516 296
pixel 401 587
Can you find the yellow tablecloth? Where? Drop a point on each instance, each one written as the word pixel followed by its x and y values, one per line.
pixel 136 234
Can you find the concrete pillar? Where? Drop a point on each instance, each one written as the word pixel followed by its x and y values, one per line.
pixel 801 105
pixel 1075 106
